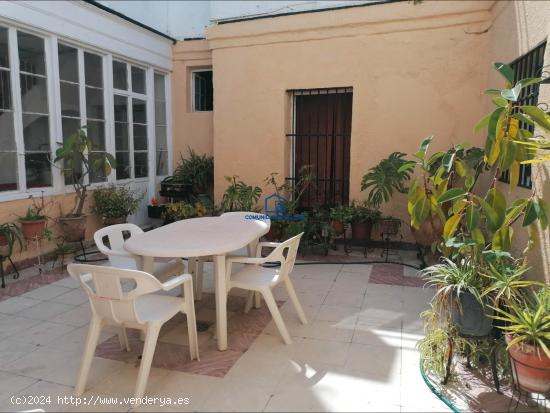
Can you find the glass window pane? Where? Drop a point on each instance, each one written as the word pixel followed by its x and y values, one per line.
pixel 36 132
pixel 7 136
pixel 203 91
pixel 96 175
pixel 120 75
pixel 70 99
pixel 160 113
pixel 161 142
pixel 159 87
pixel 162 163
pixel 139 111
pixel 140 137
pixel 96 133
pixel 8 171
pixel 94 103
pixel 93 69
pixel 38 170
pixel 4 50
pixel 122 165
pixel 5 90
pixel 138 80
pixel 69 126
pixel 121 136
pixel 140 164
pixel 121 109
pixel 34 94
pixel 31 53
pixel 68 63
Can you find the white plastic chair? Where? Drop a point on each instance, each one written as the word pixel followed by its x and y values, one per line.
pixel 196 265
pixel 120 258
pixel 258 278
pixel 138 308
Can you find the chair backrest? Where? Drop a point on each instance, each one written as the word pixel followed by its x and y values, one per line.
pixel 113 291
pixel 118 256
pixel 285 253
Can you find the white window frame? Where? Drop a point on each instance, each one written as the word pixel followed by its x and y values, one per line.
pixel 51 42
pixel 192 88
pixel 168 125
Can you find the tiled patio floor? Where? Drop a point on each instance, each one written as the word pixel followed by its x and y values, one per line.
pixel 356 354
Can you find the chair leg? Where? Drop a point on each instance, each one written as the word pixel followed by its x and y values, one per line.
pixel 149 346
pixel 294 298
pixel 198 283
pixel 123 339
pixel 257 300
pixel 276 314
pixel 249 301
pixel 191 321
pixel 91 343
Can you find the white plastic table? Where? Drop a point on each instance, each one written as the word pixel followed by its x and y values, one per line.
pixel 200 237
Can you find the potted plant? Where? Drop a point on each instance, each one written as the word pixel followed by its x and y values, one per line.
pixel 10 234
pixel 33 223
pixel 77 165
pixel 155 209
pixel 382 180
pixel 362 218
pixel 527 329
pixel 458 293
pixel 114 203
pixel 178 211
pixel 340 216
pixel 239 196
pixel 197 171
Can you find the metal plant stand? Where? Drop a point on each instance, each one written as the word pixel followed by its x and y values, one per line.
pixel 2 274
pixel 540 401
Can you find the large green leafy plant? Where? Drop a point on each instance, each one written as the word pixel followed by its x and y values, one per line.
pixel 196 170
pixel 477 220
pixel 115 202
pixel 77 162
pixel 240 196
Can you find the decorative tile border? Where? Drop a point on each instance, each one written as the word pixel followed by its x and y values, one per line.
pixel 28 283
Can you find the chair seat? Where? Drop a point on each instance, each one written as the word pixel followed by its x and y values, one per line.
pixel 159 267
pixel 254 276
pixel 157 307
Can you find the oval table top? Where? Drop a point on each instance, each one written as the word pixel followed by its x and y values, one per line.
pixel 197 237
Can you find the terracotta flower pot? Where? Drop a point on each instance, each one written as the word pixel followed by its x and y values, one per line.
pixel 531 370
pixel 114 221
pixel 32 229
pixel 429 232
pixel 3 241
pixel 338 227
pixel 4 247
pixel 361 231
pixel 74 228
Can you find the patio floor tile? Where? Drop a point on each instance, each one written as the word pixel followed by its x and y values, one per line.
pixel 45 311
pixel 46 292
pixel 15 304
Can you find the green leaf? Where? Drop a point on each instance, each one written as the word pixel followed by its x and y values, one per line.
pixel 514 175
pixel 530 81
pixel 505 70
pixel 421 154
pixel 421 210
pixel 490 214
pixel 451 194
pixel 493 92
pixel 511 94
pixel 519 116
pixel 497 201
pixel 472 217
pixel 544 213
pixel 447 161
pixel 493 122
pixel 502 239
pixel 477 236
pixel 514 212
pixel 469 182
pixel 532 211
pixel 409 166
pixel 507 154
pixel 483 122
pixel 537 115
pixel 451 225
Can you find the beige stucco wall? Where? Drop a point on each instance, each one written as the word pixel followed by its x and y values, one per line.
pixel 193 129
pixel 517 27
pixel 414 70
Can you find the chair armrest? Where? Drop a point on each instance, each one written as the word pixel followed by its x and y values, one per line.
pixel 245 260
pixel 265 244
pixel 176 281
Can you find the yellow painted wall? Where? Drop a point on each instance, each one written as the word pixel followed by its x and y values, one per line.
pixel 193 129
pixel 415 71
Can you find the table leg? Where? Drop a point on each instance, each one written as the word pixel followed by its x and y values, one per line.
pixel 221 301
pixel 251 248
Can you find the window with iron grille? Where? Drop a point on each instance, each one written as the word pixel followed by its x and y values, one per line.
pixel 203 91
pixel 528 65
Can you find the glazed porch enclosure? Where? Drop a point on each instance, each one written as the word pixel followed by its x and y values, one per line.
pixel 115 84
